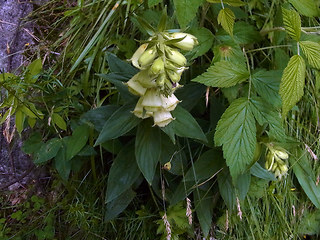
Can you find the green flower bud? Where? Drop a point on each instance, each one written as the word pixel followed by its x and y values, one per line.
pixel 152 101
pixel 161 80
pixel 169 103
pixel 147 57
pixel 269 160
pixel 162 118
pixel 176 57
pixel 145 80
pixel 283 169
pixel 140 112
pixel 187 43
pixel 282 154
pixel 138 54
pixel 175 76
pixel 135 86
pixel 157 66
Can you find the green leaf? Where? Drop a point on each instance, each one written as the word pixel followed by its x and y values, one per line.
pixel 47 151
pixel 60 161
pixel 33 143
pixel 260 172
pixel 120 67
pixel 120 122
pixel 292 83
pixel 151 3
pixel 115 207
pixel 204 210
pixel 267 83
pixel 190 95
pixel 226 18
pixel 292 23
pixel 209 164
pixel 186 10
pixel 312 52
pixel 234 3
pixel 226 189
pixel 185 125
pixel 242 185
pixel 98 116
pixel 123 173
pixel 306 7
pixel 228 51
pixel 19 120
pixel 33 70
pixel 77 141
pixel 223 74
pixel 205 39
pixel 302 170
pixel 58 120
pixel 264 114
pixel 147 149
pixel 236 131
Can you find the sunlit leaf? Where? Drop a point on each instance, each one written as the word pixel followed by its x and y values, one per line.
pixel 312 52
pixel 292 83
pixel 306 7
pixel 234 3
pixel 186 10
pixel 226 18
pixel 292 23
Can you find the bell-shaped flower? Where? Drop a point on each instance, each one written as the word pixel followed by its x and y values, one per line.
pixel 137 55
pixel 187 42
pixel 135 86
pixel 162 118
pixel 152 101
pixel 169 103
pixel 140 112
pixel 145 80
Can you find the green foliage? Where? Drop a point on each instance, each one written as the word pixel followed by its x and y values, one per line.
pixel 292 83
pixel 236 132
pixel 226 18
pixel 292 23
pixel 311 51
pixel 186 10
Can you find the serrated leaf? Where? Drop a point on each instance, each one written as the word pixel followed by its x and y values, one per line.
pixel 234 3
pixel 306 7
pixel 120 122
pixel 292 83
pixel 226 18
pixel 267 83
pixel 186 10
pixel 312 52
pixel 123 173
pixel 264 114
pixel 236 131
pixel 292 23
pixel 223 74
pixel 147 149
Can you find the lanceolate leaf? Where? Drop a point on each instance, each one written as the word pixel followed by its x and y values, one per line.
pixel 121 122
pixel 186 10
pixel 292 23
pixel 236 131
pixel 312 52
pixel 267 83
pixel 226 18
pixel 204 207
pixel 77 141
pixel 223 74
pixel 147 149
pixel 306 7
pixel 302 170
pixel 234 3
pixel 123 173
pixel 292 83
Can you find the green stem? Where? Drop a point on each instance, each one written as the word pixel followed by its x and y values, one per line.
pixel 92 159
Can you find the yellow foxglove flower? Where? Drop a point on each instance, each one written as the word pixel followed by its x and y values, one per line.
pixel 152 101
pixel 147 57
pixel 140 112
pixel 137 55
pixel 162 118
pixel 135 86
pixel 176 57
pixel 157 66
pixel 187 43
pixel 169 103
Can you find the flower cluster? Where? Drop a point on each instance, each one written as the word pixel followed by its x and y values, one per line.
pixel 276 160
pixel 161 65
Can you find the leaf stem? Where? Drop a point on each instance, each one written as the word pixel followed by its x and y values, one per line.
pixel 298 48
pixel 222 5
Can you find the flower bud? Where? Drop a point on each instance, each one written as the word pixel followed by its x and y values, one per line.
pixel 161 80
pixel 140 112
pixel 282 154
pixel 147 57
pixel 176 57
pixel 187 43
pixel 169 103
pixel 175 76
pixel 162 118
pixel 283 169
pixel 157 66
pixel 135 87
pixel 137 55
pixel 145 80
pixel 152 101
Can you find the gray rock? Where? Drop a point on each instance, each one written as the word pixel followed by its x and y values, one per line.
pixel 15 167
